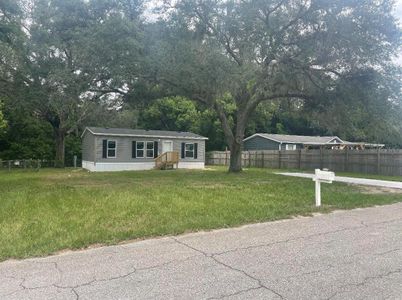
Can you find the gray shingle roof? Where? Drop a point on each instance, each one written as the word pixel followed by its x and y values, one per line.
pixel 297 139
pixel 143 132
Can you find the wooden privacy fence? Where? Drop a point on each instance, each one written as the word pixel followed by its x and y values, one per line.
pixel 371 161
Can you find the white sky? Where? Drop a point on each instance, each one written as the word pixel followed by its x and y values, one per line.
pixel 399 8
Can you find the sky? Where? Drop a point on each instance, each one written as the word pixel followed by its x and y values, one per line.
pixel 399 8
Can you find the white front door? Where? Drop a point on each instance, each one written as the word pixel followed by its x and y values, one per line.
pixel 167 146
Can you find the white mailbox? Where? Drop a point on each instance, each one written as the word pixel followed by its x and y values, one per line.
pixel 324 176
pixel 321 176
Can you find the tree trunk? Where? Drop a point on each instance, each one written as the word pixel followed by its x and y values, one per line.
pixel 235 157
pixel 234 138
pixel 60 137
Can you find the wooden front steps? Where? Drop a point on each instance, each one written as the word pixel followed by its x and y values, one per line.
pixel 167 160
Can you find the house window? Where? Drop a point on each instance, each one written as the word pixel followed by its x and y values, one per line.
pixel 140 149
pixel 290 147
pixel 111 149
pixel 145 149
pixel 189 150
pixel 150 149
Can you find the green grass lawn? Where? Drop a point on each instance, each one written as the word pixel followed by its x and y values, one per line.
pixel 50 210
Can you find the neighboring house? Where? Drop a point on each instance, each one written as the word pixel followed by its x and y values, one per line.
pixel 117 149
pixel 267 141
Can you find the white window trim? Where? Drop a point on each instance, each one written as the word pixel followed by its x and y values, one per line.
pixel 136 150
pixel 294 147
pixel 185 150
pixel 107 149
pixel 145 150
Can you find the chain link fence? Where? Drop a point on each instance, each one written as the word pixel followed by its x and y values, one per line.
pixel 36 164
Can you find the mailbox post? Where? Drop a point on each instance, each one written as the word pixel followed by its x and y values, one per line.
pixel 321 176
pixel 317 193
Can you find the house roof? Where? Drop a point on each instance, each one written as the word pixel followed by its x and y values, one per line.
pixel 297 139
pixel 143 133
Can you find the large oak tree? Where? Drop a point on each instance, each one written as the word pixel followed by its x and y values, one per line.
pixel 74 50
pixel 234 55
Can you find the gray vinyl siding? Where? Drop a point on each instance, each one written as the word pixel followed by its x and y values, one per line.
pixel 124 148
pixel 88 146
pixel 201 149
pixel 260 143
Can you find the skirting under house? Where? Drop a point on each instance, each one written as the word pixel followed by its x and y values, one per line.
pixel 107 167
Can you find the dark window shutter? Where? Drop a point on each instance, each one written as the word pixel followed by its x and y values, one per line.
pixel 134 149
pixel 155 149
pixel 104 149
pixel 183 150
pixel 195 150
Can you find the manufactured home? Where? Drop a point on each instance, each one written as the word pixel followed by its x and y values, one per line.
pixel 118 149
pixel 268 141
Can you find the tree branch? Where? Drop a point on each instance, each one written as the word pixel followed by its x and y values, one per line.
pixel 108 91
pixel 222 38
pixel 225 123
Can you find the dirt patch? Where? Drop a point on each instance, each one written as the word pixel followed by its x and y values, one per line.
pixel 375 190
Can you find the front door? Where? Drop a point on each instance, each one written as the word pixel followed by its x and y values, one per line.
pixel 167 146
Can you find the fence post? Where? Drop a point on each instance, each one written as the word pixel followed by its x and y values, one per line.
pixel 262 158
pixel 321 159
pixel 226 157
pixel 249 159
pixel 9 165
pixel 346 159
pixel 378 161
pixel 280 159
pixel 75 161
pixel 256 159
pixel 299 158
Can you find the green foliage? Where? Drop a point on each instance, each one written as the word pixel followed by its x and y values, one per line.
pixel 3 122
pixel 26 137
pixel 364 106
pixel 182 114
pixel 172 113
pixel 76 56
pixel 9 13
pixel 73 148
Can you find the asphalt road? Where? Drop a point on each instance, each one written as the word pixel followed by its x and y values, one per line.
pixel 353 254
